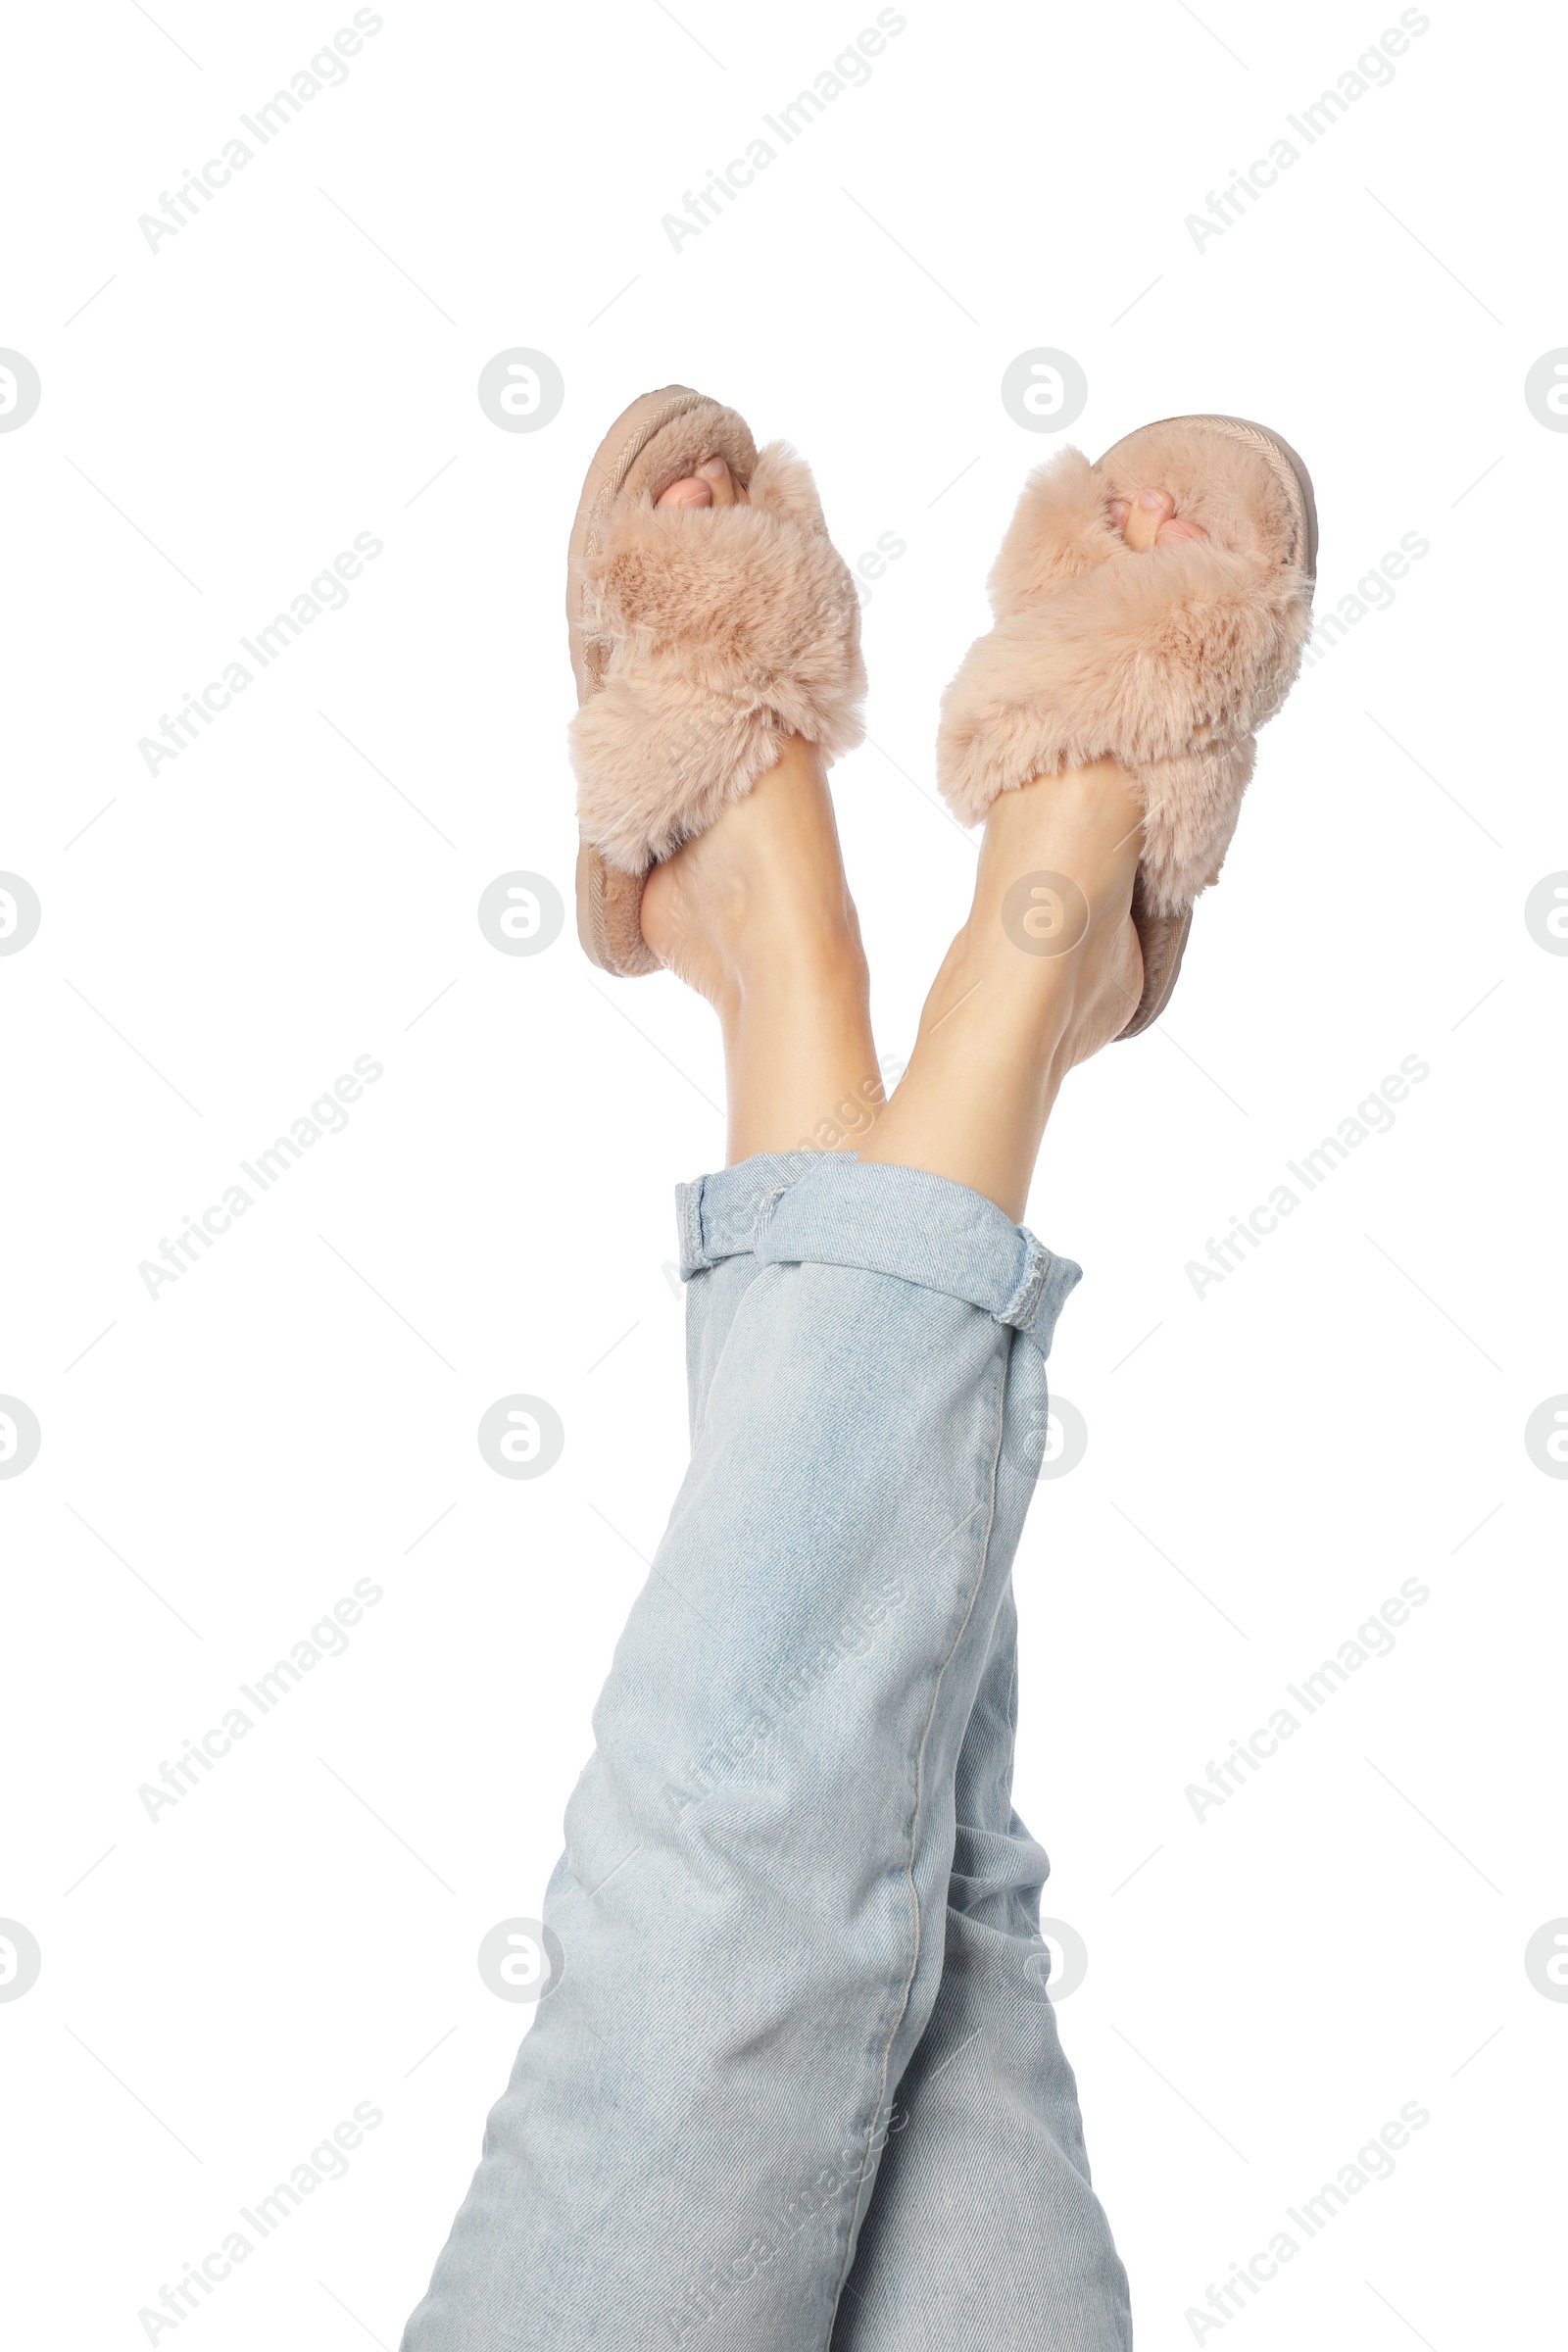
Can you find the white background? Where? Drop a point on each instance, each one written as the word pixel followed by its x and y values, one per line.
pixel 298 364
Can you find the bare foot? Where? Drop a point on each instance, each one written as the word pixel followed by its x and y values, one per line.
pixel 1046 971
pixel 763 886
pixel 755 914
pixel 1054 886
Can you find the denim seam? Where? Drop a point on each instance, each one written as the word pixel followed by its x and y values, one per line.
pixel 1020 1312
pixel 693 1249
pixel 989 1507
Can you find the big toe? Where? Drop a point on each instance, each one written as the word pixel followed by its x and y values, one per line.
pixel 691 492
pixel 1151 521
pixel 1147 511
pixel 712 485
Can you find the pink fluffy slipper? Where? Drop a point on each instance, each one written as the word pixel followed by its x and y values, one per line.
pixel 1167 661
pixel 701 637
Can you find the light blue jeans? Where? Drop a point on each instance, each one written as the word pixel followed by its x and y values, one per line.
pixel 797 2085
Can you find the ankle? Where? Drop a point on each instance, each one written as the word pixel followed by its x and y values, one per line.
pixel 759 905
pixel 1091 817
pixel 1008 1005
pixel 786 966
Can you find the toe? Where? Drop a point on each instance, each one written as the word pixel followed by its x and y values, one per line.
pixel 1147 511
pixel 726 491
pixel 692 492
pixel 712 485
pixel 1178 528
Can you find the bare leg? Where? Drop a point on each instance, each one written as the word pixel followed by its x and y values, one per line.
pixel 755 914
pixel 1045 973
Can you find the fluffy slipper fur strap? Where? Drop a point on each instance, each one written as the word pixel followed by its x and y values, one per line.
pixel 716 632
pixel 1167 662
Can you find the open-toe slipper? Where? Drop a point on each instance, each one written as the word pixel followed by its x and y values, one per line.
pixel 1167 661
pixel 702 639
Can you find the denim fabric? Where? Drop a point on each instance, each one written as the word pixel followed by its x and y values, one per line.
pixel 797 2085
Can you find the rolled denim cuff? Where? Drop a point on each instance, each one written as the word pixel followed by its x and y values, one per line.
pixel 719 1215
pixel 830 1209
